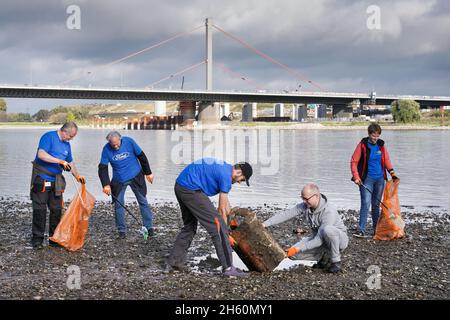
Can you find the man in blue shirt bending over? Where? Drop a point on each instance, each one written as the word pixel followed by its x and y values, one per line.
pixel 129 164
pixel 53 155
pixel 201 179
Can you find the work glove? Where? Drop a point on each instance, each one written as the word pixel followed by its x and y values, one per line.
pixel 80 179
pixel 233 224
pixel 107 190
pixel 65 165
pixel 292 251
pixel 150 178
pixel 231 241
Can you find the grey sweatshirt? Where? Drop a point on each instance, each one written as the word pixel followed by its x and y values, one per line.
pixel 325 214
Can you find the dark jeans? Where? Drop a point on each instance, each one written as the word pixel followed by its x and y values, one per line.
pixel 146 211
pixel 196 207
pixel 43 197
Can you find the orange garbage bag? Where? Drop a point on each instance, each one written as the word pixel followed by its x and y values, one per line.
pixel 390 224
pixel 71 230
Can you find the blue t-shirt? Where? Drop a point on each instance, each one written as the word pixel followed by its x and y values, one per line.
pixel 55 147
pixel 124 161
pixel 374 169
pixel 210 175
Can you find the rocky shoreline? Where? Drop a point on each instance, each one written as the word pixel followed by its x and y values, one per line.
pixel 416 267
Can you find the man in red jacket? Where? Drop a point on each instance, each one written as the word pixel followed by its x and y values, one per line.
pixel 369 165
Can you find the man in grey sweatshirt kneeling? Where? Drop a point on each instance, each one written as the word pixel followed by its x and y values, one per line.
pixel 329 236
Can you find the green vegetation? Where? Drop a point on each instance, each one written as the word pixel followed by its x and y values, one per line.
pixel 70 116
pixel 2 110
pixel 25 124
pixel 42 115
pixel 58 118
pixel 18 117
pixel 405 111
pixel 2 105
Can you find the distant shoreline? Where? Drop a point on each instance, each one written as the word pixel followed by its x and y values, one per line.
pixel 269 125
pixel 319 126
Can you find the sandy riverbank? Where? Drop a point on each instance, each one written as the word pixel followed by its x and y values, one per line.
pixel 415 267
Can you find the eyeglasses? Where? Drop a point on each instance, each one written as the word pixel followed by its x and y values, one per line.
pixel 307 199
pixel 69 134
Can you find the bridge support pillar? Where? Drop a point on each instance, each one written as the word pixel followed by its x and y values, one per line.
pixel 254 110
pixel 224 110
pixel 278 109
pixel 209 113
pixel 302 112
pixel 294 116
pixel 247 112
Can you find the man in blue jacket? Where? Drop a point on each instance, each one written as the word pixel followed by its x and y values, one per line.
pixel 200 180
pixel 129 164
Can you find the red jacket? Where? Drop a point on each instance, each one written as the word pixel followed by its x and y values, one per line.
pixel 358 163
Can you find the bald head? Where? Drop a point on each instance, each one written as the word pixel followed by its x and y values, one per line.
pixel 311 195
pixel 309 189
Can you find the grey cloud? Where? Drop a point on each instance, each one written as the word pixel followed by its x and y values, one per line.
pixel 326 40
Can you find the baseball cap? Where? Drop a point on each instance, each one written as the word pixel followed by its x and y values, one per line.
pixel 247 171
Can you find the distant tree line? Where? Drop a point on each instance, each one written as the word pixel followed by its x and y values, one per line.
pixel 2 110
pixel 62 114
pixel 57 115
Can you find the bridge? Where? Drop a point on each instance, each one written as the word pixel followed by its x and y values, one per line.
pixel 60 92
pixel 208 99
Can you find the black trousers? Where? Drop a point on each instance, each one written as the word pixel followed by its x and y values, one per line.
pixel 43 197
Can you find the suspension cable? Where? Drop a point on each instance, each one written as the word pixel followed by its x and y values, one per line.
pixel 177 73
pixel 134 54
pixel 237 75
pixel 265 56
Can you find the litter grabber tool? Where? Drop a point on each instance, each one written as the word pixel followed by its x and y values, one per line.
pixel 144 230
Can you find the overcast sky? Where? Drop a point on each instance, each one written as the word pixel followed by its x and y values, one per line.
pixel 328 42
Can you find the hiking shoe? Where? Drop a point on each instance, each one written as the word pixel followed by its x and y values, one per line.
pixel 151 232
pixel 122 235
pixel 234 272
pixel 360 234
pixel 335 267
pixel 319 265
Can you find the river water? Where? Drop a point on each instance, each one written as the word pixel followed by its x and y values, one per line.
pixel 284 160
